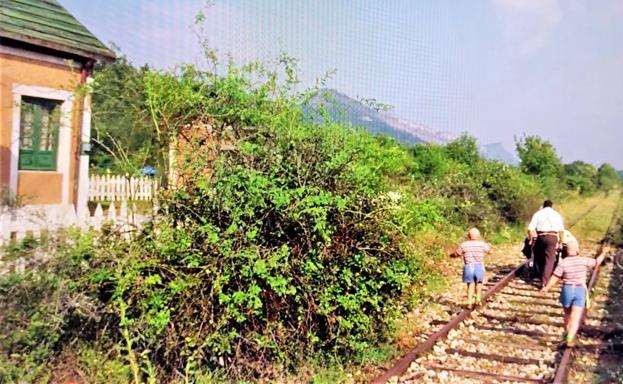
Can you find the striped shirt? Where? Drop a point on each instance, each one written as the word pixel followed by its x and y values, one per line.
pixel 572 269
pixel 473 251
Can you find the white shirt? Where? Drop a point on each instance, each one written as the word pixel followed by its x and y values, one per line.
pixel 546 220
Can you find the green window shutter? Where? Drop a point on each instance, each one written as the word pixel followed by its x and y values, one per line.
pixel 39 124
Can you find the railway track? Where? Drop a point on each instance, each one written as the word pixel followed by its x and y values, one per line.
pixel 576 220
pixel 514 337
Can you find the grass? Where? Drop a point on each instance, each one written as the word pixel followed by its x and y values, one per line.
pixel 592 215
pixel 591 228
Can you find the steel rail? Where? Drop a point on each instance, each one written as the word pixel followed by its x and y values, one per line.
pixel 566 360
pixel 403 364
pixel 582 216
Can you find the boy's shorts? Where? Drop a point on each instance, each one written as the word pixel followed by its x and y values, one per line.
pixel 573 295
pixel 473 273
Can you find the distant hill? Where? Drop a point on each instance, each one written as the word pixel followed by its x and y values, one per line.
pixel 354 113
pixel 497 151
pixel 621 173
pixel 344 109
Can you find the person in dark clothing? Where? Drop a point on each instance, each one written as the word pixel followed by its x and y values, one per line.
pixel 546 231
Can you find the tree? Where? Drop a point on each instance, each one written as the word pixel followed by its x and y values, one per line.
pixel 464 150
pixel 430 161
pixel 607 177
pixel 122 130
pixel 538 157
pixel 581 176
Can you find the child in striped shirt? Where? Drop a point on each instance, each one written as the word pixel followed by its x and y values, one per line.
pixel 473 252
pixel 572 271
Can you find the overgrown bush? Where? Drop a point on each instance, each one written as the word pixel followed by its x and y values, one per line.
pixel 286 249
pixel 49 305
pixel 294 242
pixel 608 178
pixel 473 191
pixel 284 240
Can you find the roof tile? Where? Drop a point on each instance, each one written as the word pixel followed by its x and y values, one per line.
pixel 49 24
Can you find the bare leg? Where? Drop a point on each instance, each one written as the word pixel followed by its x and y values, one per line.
pixel 470 294
pixel 574 322
pixel 567 314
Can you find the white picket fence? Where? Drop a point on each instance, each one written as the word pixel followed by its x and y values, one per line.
pixel 119 188
pixel 34 220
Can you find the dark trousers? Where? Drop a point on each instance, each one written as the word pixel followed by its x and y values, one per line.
pixel 545 256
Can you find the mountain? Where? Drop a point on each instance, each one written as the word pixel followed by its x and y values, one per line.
pixel 422 132
pixel 497 151
pixel 346 110
pixel 621 173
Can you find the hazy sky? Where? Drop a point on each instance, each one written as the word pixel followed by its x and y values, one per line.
pixel 493 68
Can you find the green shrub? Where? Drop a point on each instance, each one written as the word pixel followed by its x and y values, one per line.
pixel 46 306
pixel 296 255
pixel 607 177
pixel 538 157
pixel 300 240
pixel 581 177
pixel 296 242
pixel 101 367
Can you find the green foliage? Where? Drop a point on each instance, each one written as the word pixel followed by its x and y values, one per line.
pixel 45 306
pixel 122 129
pixel 538 157
pixel 581 176
pixel 101 367
pixel 331 375
pixel 295 242
pixel 431 161
pixel 514 195
pixel 285 239
pixel 290 247
pixel 464 150
pixel 607 177
pixel 470 190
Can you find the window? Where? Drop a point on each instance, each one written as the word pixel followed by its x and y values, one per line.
pixel 39 124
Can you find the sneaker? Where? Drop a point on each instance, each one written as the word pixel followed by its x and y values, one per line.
pixel 563 341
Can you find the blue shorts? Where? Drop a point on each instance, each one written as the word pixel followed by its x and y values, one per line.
pixel 573 295
pixel 473 273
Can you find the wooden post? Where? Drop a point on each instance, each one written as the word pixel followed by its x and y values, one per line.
pixel 98 217
pixel 112 212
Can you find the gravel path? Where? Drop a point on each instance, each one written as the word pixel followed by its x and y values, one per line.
pixel 515 337
pixel 600 360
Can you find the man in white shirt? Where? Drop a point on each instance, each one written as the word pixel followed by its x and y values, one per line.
pixel 546 231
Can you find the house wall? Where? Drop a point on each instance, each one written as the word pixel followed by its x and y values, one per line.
pixel 196 146
pixel 37 187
